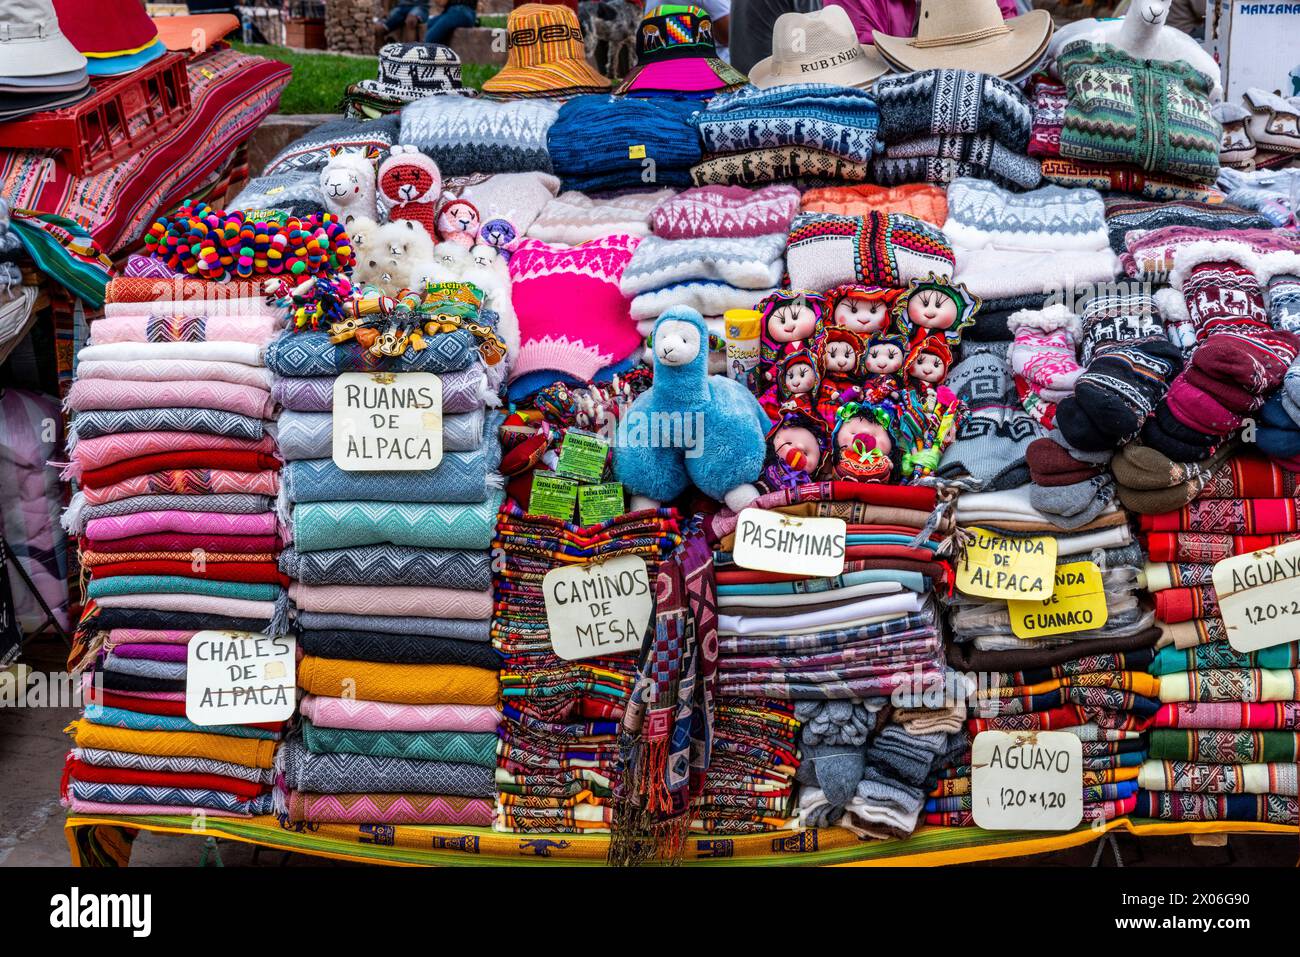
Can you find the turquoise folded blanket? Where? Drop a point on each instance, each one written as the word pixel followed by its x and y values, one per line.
pixel 179 585
pixel 465 747
pixel 318 526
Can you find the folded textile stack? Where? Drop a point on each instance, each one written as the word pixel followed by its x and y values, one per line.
pixel 574 218
pixel 938 125
pixel 1269 192
pixel 176 462
pixel 391 589
pixel 466 135
pixel 801 132
pixel 603 142
pixel 922 200
pixel 841 648
pixel 558 756
pixel 697 257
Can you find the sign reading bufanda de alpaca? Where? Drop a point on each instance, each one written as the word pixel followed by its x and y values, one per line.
pixel 598 609
pixel 773 542
pixel 387 421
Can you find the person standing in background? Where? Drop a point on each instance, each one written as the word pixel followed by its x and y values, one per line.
pixel 896 17
pixel 1188 16
pixel 752 22
pixel 451 15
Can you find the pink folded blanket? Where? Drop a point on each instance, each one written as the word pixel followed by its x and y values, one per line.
pixel 117 394
pixel 197 604
pixel 187 482
pixel 243 306
pixel 361 715
pixel 400 600
pixel 152 651
pixel 104 450
pixel 127 636
pixel 176 370
pixel 186 523
pixel 390 809
pixel 140 325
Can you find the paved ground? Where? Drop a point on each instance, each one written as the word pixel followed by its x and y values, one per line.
pixel 32 748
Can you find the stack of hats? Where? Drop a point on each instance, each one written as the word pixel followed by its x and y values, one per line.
pixel 818 47
pixel 676 56
pixel 174 454
pixel 545 56
pixel 949 34
pixel 606 143
pixel 116 38
pixel 558 756
pixel 939 125
pixel 1014 244
pixel 807 132
pixel 391 588
pixel 840 647
pixel 720 248
pixel 407 72
pixel 41 68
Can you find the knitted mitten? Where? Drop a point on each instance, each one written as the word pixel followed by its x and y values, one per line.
pixel 1256 357
pixel 1284 300
pixel 1198 409
pixel 1164 433
pixel 1043 353
pixel 1129 364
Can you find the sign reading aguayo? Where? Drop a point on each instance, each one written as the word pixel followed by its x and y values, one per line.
pixel 998 566
pixel 772 542
pixel 236 677
pixel 598 609
pixel 1027 780
pixel 387 421
pixel 1259 597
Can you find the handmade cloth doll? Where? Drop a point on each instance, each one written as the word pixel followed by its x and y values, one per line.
pixel 791 321
pixel 862 442
pixel 928 363
pixel 797 447
pixel 458 222
pixel 925 423
pixel 883 365
pixel 863 309
pixel 839 359
pixel 934 305
pixel 410 185
pixel 796 386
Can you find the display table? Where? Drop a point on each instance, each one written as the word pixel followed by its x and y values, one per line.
pixel 106 841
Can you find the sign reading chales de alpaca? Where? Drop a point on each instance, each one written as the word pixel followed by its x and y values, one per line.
pixel 599 609
pixel 387 421
pixel 236 677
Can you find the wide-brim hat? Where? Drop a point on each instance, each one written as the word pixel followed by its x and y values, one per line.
pixel 968 34
pixel 545 55
pixel 818 47
pixel 33 43
pixel 675 52
pixel 106 28
pixel 194 32
pixel 127 62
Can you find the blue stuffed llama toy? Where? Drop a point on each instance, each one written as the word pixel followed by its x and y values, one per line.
pixel 690 426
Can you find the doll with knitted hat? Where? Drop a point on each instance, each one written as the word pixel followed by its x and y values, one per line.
pixel 935 306
pixel 791 320
pixel 797 447
pixel 863 309
pixel 928 363
pixel 882 366
pixel 796 386
pixel 863 443
pixel 839 358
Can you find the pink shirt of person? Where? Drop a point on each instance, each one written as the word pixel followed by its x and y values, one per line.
pixel 896 18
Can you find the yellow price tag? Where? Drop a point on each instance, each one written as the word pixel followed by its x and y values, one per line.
pixel 1078 603
pixel 636 152
pixel 998 566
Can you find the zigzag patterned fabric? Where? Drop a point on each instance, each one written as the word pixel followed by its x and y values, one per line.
pixel 318 526
pixel 310 435
pixel 462 391
pixel 99 423
pixel 718 212
pixel 185 523
pixel 163 584
pixel 467 136
pixel 930 102
pixel 139 721
pixel 390 565
pixel 398 649
pixel 144 668
pixel 391 716
pixel 179 764
pixel 803 165
pixel 839 120
pixel 455 746
pixel 361 774
pixel 457 628
pixel 249 400
pixel 390 809
pixel 233 503
pixel 312 354
pixel 137 794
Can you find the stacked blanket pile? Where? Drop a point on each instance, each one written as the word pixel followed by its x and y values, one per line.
pixel 391 593
pixel 172 448
pixel 558 755
pixel 840 650
pixel 1224 739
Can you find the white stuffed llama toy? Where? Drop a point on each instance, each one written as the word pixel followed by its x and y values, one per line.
pixel 348 183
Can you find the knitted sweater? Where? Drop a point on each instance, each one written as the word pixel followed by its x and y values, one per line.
pixel 933 102
pixel 729 211
pixel 840 120
pixel 602 142
pixel 465 135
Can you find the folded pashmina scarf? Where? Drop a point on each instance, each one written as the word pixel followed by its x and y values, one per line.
pixel 189 482
pixel 97 453
pixel 148 325
pixel 177 370
pixel 362 774
pixel 176 542
pixel 458 746
pixel 248 459
pixel 310 435
pixel 403 684
pixel 392 600
pixel 250 752
pixel 399 649
pixel 160 584
pixel 332 525
pixel 363 715
pixel 192 604
pixel 100 761
pixel 185 523
pixel 120 394
pixel 302 354
pixel 457 628
pixel 245 353
pixel 466 569
pixel 96 424
pixel 137 794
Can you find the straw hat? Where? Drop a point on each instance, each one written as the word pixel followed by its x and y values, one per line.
pixel 818 47
pixel 968 34
pixel 546 56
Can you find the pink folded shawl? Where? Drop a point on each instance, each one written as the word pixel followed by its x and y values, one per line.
pixel 141 325
pixel 152 651
pixel 197 604
pixel 118 394
pixel 361 715
pixel 391 809
pixel 215 482
pixel 174 370
pixel 185 523
pixel 400 600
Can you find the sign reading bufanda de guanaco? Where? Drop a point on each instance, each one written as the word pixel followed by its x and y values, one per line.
pixel 1078 603
pixel 1000 566
pixel 773 542
pixel 599 609
pixel 387 421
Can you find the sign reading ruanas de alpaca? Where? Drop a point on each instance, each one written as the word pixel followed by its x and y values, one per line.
pixel 236 677
pixel 387 421
pixel 773 542
pixel 1259 597
pixel 1027 780
pixel 599 609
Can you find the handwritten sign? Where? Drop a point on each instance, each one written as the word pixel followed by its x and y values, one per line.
pixel 598 609
pixel 1078 603
pixel 998 566
pixel 1027 780
pixel 1259 597
pixel 236 677
pixel 387 421
pixel 772 542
